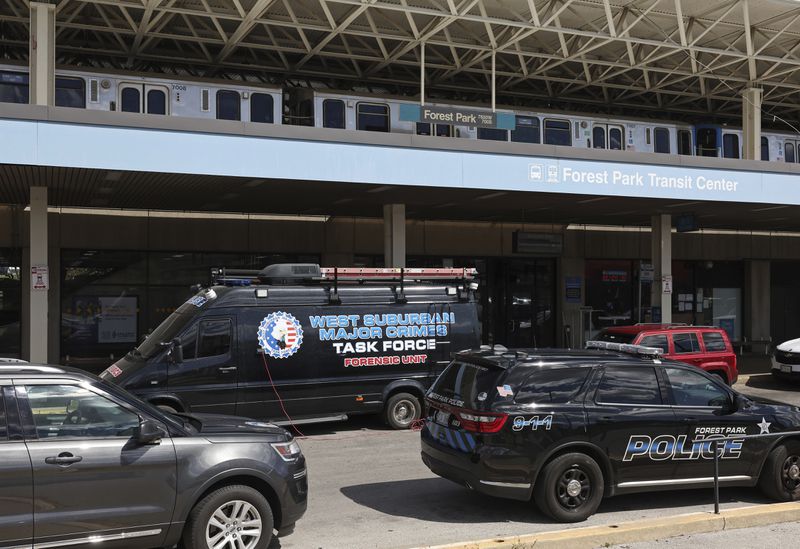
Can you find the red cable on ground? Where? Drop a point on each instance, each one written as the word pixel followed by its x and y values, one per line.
pixel 280 400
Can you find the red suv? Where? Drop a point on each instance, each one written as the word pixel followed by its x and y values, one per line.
pixel 706 347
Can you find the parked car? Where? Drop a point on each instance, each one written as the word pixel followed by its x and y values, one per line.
pixel 707 347
pixel 84 463
pixel 786 360
pixel 298 342
pixel 569 428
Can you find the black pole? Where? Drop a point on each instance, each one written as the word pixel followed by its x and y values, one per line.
pixel 716 477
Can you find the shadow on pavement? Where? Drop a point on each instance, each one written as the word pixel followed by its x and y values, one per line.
pixel 439 500
pixel 769 382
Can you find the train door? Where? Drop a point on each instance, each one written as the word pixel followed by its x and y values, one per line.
pixel 791 151
pixel 707 139
pixel 608 136
pixel 146 98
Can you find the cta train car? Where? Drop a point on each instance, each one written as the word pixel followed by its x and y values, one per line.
pixel 246 101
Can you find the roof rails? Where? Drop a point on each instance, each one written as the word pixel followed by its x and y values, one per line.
pixel 627 348
pixel 24 367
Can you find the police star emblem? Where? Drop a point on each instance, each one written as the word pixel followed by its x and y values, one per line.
pixel 764 426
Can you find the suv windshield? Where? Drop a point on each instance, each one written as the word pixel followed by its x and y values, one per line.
pixel 173 325
pixel 112 389
pixel 615 337
pixel 465 385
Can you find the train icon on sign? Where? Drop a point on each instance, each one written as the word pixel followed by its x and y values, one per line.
pixel 535 172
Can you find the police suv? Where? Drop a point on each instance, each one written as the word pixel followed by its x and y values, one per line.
pixel 570 427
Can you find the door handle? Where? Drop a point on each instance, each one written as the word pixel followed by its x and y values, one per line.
pixel 605 419
pixel 226 369
pixel 64 458
pixel 689 419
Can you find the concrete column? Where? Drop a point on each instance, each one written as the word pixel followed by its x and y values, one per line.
pixel 758 297
pixel 42 56
pixel 394 235
pixel 38 283
pixel 662 265
pixel 751 123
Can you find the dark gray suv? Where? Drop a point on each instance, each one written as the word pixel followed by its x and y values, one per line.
pixel 83 462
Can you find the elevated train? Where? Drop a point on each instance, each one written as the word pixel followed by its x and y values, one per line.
pixel 235 100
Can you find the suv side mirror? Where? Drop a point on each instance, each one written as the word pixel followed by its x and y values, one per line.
pixel 149 432
pixel 175 353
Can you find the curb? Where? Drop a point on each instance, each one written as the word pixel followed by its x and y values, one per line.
pixel 641 530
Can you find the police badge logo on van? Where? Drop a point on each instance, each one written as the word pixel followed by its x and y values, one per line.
pixel 280 335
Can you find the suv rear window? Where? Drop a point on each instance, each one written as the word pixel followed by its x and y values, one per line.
pixel 714 342
pixel 615 337
pixel 552 386
pixel 658 341
pixel 463 384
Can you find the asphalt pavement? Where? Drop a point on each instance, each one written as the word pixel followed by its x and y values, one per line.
pixel 368 488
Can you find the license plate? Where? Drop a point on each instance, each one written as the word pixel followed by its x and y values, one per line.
pixel 442 418
pixel 786 368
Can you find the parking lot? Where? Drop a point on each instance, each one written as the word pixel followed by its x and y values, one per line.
pixel 369 488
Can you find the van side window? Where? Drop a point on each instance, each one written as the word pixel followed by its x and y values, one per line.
pixel 189 343
pixel 261 108
pixel 215 338
pixel 333 114
pixel 229 105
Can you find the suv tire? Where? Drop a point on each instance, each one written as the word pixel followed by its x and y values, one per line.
pixel 780 477
pixel 223 512
pixel 570 488
pixel 402 410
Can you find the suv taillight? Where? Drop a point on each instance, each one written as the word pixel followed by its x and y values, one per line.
pixel 482 423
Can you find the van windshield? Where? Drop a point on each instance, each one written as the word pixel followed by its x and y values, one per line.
pixel 173 325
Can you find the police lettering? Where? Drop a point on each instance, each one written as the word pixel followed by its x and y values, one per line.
pixel 669 447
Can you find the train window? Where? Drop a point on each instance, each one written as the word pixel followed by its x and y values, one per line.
pixel 647 135
pixel 262 108
pixel 492 134
pixel 765 149
pixel 557 132
pixel 423 128
pixel 599 137
pixel 685 142
pixel 156 102
pixel 229 105
pixel 13 87
pixel 615 142
pixel 372 117
pixel 662 140
pixel 444 130
pixel 333 114
pixel 789 152
pixel 70 92
pixel 527 130
pixel 730 145
pixel 131 100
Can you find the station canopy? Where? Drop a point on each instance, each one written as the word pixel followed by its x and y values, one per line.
pixel 642 57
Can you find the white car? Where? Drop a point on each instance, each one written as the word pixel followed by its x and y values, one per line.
pixel 786 359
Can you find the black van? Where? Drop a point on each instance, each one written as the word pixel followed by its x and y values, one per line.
pixel 297 341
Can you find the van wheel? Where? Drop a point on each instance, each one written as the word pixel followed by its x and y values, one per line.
pixel 402 409
pixel 232 516
pixel 780 477
pixel 569 488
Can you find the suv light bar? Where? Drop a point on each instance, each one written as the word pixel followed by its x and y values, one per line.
pixel 626 348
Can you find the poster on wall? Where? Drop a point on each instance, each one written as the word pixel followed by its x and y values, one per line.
pixel 117 320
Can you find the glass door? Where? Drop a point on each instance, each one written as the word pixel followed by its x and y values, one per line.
pixel 147 98
pixel 528 301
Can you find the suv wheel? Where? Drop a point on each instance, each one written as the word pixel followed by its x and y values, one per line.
pixel 570 488
pixel 402 409
pixel 780 477
pixel 232 516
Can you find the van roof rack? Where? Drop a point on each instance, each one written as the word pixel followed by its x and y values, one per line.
pixel 627 348
pixel 306 273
